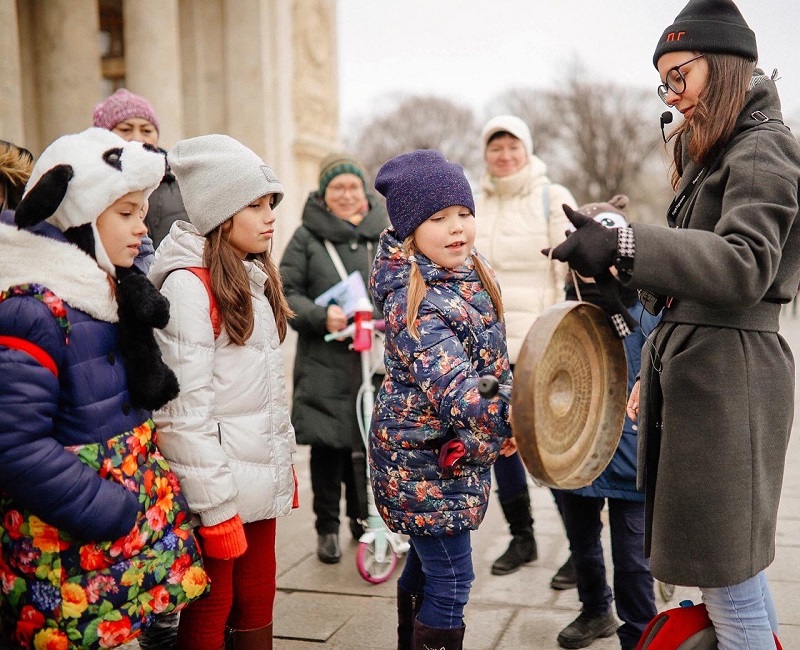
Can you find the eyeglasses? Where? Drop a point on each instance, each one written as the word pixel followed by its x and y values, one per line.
pixel 675 80
pixel 341 190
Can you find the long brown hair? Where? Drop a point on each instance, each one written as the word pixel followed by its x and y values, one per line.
pixel 714 119
pixel 231 286
pixel 417 288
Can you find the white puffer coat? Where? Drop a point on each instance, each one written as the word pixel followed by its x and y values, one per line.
pixel 512 227
pixel 227 436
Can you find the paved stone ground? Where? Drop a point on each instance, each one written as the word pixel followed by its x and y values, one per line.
pixel 331 606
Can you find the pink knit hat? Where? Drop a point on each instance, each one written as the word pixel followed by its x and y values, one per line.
pixel 120 106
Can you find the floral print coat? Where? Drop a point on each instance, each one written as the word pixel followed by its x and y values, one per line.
pixel 430 396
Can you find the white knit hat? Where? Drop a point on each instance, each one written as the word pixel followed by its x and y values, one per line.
pixel 218 177
pixel 97 168
pixel 105 168
pixel 511 124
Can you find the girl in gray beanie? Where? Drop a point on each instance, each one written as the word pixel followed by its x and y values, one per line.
pixel 715 406
pixel 228 433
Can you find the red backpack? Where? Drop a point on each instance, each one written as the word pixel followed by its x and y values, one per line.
pixel 205 277
pixel 687 627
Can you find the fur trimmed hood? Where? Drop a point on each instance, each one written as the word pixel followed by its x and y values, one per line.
pixel 48 259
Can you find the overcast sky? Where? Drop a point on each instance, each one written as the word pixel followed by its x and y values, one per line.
pixel 471 50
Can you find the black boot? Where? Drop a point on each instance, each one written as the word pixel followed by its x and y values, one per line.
pixel 435 638
pixel 328 548
pixel 565 576
pixel 161 634
pixel 408 606
pixel 522 548
pixel 585 629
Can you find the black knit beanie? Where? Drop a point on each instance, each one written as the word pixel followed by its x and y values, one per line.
pixel 708 26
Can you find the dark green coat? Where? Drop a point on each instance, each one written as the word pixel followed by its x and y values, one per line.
pixel 713 469
pixel 326 375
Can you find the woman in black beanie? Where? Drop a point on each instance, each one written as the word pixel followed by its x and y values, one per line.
pixel 717 383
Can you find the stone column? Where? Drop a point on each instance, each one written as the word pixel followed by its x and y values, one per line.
pixel 258 94
pixel 11 125
pixel 202 62
pixel 68 55
pixel 316 86
pixel 153 62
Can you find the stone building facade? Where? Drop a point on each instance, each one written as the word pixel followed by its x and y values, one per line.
pixel 262 71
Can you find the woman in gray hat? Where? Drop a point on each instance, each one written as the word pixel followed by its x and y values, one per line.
pixel 717 383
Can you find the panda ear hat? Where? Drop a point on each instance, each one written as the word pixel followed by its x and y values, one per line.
pixel 79 175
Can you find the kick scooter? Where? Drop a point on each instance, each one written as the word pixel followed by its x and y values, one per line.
pixel 378 548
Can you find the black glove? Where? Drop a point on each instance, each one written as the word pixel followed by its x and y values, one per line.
pixel 141 307
pixel 591 249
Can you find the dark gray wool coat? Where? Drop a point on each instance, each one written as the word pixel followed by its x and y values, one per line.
pixel 326 375
pixel 712 453
pixel 166 207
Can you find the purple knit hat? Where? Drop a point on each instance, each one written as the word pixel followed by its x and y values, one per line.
pixel 122 105
pixel 419 184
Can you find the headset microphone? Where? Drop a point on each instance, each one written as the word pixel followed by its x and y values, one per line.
pixel 666 118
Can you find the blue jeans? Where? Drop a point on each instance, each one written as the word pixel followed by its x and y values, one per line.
pixel 633 583
pixel 744 615
pixel 441 569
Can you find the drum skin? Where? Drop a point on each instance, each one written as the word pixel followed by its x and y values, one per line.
pixel 569 394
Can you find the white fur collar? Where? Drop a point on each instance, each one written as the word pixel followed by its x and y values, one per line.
pixel 61 267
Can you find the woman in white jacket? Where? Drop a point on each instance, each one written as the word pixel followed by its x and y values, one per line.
pixel 519 212
pixel 228 434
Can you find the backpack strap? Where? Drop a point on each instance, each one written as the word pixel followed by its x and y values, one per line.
pixel 213 311
pixel 546 202
pixel 23 345
pixel 56 307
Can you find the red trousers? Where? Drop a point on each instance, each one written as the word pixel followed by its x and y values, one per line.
pixel 242 593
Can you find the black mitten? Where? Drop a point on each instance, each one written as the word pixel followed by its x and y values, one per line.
pixel 591 249
pixel 141 307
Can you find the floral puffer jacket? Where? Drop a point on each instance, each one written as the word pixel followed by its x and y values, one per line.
pixel 430 396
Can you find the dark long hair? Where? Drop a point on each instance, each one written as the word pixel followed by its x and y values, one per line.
pixel 231 286
pixel 715 114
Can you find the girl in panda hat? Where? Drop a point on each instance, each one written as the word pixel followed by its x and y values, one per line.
pixel 94 531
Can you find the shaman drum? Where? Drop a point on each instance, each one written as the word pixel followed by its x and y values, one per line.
pixel 569 394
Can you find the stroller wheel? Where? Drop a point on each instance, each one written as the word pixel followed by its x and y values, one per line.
pixel 370 568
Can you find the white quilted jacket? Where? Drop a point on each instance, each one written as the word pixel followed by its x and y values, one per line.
pixel 512 229
pixel 227 436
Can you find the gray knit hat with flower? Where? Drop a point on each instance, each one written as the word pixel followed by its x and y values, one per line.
pixel 419 184
pixel 219 176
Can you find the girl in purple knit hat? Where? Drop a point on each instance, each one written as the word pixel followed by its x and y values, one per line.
pixel 433 438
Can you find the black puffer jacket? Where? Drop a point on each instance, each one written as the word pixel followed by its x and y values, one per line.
pixel 326 375
pixel 166 207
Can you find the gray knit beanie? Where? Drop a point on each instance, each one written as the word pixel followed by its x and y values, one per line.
pixel 219 176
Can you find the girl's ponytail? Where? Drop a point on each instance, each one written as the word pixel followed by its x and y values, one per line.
pixel 489 282
pixel 416 288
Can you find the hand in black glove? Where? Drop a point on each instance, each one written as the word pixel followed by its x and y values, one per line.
pixel 591 249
